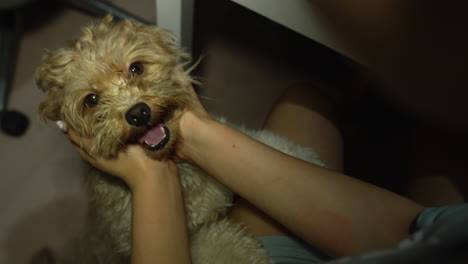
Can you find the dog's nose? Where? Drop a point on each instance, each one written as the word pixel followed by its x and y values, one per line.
pixel 138 115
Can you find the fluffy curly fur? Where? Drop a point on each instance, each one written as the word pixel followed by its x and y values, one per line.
pixel 98 63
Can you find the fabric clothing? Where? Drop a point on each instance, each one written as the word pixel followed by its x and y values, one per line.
pixel 285 250
pixel 441 237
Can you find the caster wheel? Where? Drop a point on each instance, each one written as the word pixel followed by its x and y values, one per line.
pixel 14 123
pixel 43 256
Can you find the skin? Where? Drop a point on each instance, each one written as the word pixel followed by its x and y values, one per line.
pixel 325 207
pixel 328 209
pixel 158 236
pixel 301 106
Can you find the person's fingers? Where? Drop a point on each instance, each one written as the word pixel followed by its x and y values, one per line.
pixel 196 105
pixel 84 154
pixel 85 143
pixel 74 138
pixel 81 144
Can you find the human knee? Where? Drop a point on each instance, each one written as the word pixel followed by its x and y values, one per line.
pixel 310 96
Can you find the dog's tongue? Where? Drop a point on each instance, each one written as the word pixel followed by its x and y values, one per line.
pixel 154 135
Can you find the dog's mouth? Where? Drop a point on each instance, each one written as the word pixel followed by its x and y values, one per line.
pixel 156 137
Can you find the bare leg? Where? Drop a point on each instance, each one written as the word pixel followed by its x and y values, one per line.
pixel 304 116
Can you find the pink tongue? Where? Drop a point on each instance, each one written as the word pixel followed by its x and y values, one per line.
pixel 154 135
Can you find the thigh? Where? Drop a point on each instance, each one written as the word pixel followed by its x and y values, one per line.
pixel 305 116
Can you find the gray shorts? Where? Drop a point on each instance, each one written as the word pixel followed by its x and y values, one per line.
pixel 441 237
pixel 285 250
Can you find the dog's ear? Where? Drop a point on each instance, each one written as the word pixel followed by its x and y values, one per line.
pixel 50 107
pixel 51 77
pixel 52 72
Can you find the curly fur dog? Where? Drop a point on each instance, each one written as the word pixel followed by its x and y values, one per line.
pixel 122 84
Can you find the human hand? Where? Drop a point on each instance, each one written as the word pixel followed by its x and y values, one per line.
pixel 195 107
pixel 132 165
pixel 192 120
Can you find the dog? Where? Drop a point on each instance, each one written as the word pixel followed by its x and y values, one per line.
pixel 123 83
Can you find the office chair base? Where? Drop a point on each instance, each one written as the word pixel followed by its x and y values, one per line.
pixel 14 123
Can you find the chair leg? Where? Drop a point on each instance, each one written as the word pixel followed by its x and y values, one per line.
pixel 12 123
pixel 9 28
pixel 102 8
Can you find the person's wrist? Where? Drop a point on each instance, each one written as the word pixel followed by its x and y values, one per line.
pixel 161 172
pixel 191 128
pixel 136 178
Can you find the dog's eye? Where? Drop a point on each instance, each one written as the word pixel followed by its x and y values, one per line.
pixel 91 100
pixel 136 68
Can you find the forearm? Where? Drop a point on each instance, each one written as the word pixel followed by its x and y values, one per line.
pixel 159 233
pixel 330 210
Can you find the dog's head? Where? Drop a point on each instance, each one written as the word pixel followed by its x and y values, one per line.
pixel 118 84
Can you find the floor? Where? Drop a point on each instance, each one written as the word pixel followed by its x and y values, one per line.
pixel 40 187
pixel 249 62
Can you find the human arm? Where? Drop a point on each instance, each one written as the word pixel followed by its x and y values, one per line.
pixel 330 210
pixel 159 233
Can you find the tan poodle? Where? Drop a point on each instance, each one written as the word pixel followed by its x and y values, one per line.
pixel 123 83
